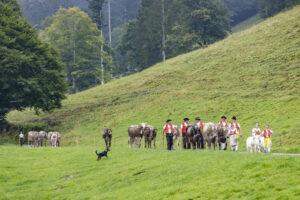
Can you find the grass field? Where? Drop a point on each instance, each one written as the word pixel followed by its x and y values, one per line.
pixel 252 21
pixel 41 173
pixel 254 75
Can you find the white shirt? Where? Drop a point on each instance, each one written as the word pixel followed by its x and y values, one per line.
pixel 238 125
pixel 224 123
pixel 254 130
pixel 169 128
pixel 21 135
pixel 186 125
pixel 233 131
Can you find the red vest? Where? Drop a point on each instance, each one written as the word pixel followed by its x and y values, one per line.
pixel 201 124
pixel 226 124
pixel 257 132
pixel 183 130
pixel 267 133
pixel 236 126
pixel 167 130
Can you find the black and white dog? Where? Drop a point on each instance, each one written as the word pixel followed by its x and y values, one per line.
pixel 104 153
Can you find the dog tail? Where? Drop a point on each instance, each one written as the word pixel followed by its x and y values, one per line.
pixel 96 152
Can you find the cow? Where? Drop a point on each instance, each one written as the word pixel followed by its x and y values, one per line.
pixel 33 138
pixel 107 135
pixel 176 136
pixel 135 134
pixel 210 134
pixel 150 133
pixel 255 144
pixel 194 137
pixel 42 138
pixel 58 137
pixel 222 135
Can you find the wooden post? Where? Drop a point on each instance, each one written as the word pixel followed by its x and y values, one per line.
pixel 280 140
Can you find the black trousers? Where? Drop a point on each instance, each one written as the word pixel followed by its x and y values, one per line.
pixel 21 141
pixel 169 137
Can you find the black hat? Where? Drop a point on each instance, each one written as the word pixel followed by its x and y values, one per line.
pixel 169 120
pixel 223 117
pixel 197 118
pixel 186 119
pixel 234 118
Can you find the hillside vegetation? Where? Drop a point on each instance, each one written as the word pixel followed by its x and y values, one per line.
pixel 254 75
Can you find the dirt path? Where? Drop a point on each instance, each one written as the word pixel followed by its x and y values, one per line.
pixel 286 154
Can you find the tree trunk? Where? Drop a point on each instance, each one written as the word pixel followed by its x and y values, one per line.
pixel 101 63
pixel 109 23
pixel 163 31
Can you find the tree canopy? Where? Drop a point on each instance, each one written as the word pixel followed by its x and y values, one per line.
pixel 78 41
pixel 30 72
pixel 189 24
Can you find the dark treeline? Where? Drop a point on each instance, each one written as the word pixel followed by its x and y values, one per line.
pixel 166 28
pixel 268 8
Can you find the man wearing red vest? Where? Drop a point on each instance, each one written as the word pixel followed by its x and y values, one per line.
pixel 238 128
pixel 267 135
pixel 184 126
pixel 169 130
pixel 200 125
pixel 224 122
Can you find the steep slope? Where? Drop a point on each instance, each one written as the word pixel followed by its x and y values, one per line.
pixel 254 75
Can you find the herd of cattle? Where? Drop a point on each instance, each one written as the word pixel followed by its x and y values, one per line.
pixel 42 138
pixel 212 135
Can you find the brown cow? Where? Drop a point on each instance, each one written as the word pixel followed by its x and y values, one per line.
pixel 222 133
pixel 150 134
pixel 107 135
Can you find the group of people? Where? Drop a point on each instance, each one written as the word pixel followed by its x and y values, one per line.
pixel 257 134
pixel 234 132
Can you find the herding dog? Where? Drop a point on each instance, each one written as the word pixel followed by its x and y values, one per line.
pixel 104 153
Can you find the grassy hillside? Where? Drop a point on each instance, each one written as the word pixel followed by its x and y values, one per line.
pixel 247 23
pixel 254 75
pixel 42 173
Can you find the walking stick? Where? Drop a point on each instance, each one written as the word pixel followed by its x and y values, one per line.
pixel 163 140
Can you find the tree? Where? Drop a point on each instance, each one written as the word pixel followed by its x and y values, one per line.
pixel 171 27
pixel 30 72
pixel 268 8
pixel 79 42
pixel 241 10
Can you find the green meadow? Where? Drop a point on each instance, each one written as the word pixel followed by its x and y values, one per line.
pixel 42 173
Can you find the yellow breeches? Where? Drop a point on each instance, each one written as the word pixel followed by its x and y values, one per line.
pixel 267 142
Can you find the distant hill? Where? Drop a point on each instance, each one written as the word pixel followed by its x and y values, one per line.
pixel 254 75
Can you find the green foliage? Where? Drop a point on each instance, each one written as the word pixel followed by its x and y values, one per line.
pixel 78 41
pixel 189 25
pixel 74 173
pixel 241 10
pixel 30 73
pixel 268 8
pixel 35 11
